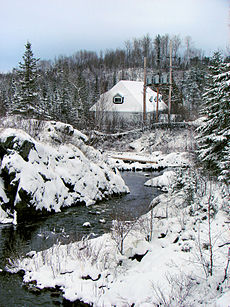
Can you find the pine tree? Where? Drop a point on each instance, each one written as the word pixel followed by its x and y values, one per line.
pixel 192 89
pixel 64 105
pixel 214 133
pixel 25 101
pixel 223 80
pixel 81 98
pixel 224 164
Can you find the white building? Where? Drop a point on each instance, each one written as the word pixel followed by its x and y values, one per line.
pixel 124 102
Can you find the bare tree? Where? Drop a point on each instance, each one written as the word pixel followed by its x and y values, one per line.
pixel 176 43
pixel 120 231
pixel 180 290
pixel 210 199
pixel 188 47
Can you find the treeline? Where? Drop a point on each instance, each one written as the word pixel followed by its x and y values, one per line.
pixel 131 56
pixel 65 89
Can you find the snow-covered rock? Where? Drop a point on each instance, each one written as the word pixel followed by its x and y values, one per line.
pixel 39 176
pixel 5 218
pixel 163 180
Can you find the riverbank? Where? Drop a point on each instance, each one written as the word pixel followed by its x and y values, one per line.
pixel 175 255
pixel 65 227
pixel 162 257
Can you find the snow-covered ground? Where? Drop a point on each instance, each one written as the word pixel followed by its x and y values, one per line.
pixel 176 255
pixel 164 181
pixel 135 161
pixel 174 270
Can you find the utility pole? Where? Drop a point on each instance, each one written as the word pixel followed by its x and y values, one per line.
pixel 144 93
pixel 157 104
pixel 170 81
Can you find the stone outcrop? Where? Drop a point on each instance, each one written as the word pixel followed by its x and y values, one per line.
pixel 43 176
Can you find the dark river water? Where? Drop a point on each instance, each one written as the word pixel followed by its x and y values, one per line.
pixel 64 227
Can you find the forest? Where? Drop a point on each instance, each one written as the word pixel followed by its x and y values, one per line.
pixel 65 88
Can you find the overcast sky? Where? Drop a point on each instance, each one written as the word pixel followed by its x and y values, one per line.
pixel 62 27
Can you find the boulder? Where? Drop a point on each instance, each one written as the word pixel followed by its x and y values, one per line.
pixel 39 177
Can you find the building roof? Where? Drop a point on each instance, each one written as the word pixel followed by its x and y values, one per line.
pixel 132 91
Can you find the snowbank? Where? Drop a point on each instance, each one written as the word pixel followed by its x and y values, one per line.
pixel 162 181
pixel 131 161
pixel 172 267
pixel 223 301
pixel 165 140
pixel 49 174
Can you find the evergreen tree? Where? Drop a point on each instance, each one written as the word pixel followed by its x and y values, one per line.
pixel 192 89
pixel 81 98
pixel 214 133
pixel 224 164
pixel 25 100
pixel 223 80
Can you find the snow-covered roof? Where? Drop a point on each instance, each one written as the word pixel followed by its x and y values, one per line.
pixel 132 91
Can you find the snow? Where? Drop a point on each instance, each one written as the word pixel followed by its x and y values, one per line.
pixel 108 283
pixel 155 161
pixel 172 238
pixel 56 175
pixel 94 271
pixel 224 300
pixel 162 181
pixel 14 222
pixel 5 218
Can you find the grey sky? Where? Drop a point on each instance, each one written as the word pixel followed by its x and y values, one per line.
pixel 62 27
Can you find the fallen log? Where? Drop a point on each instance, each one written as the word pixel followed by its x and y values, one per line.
pixel 133 160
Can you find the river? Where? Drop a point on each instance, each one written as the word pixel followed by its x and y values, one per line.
pixel 64 227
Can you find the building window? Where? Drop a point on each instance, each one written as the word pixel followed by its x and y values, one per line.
pixel 118 99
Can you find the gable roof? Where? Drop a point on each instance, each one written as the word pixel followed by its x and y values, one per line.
pixel 132 91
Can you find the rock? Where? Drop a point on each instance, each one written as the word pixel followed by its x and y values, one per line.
pixel 164 189
pixel 77 303
pixel 23 146
pixel 21 273
pixel 138 257
pixel 3 151
pixel 186 247
pixel 41 178
pixel 87 224
pixel 176 240
pixel 162 235
pixel 89 277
